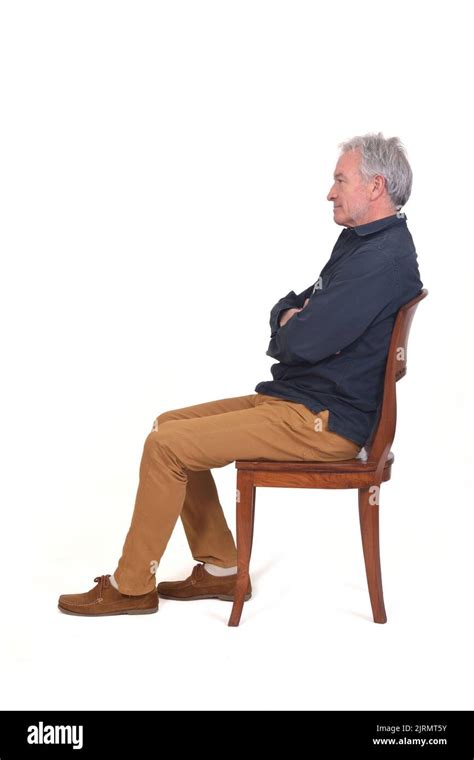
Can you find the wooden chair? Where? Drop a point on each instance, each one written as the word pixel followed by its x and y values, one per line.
pixel 365 475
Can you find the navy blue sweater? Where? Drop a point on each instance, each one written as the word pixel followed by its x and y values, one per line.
pixel 332 355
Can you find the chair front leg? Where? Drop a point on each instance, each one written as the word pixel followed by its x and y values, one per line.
pixel 245 508
pixel 369 528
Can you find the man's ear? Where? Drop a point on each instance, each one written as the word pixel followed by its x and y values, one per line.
pixel 378 186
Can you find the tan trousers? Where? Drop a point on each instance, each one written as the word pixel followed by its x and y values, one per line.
pixel 175 477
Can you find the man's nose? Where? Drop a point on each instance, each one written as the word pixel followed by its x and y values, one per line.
pixel 332 193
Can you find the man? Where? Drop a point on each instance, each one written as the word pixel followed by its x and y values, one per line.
pixel 330 342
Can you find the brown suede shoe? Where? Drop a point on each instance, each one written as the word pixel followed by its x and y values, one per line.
pixel 104 599
pixel 201 585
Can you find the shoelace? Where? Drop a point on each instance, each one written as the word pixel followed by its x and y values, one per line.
pixel 103 581
pixel 198 572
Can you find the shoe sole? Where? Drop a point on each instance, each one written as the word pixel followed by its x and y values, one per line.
pixel 222 597
pixel 107 614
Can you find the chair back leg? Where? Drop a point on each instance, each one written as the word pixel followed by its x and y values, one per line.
pixel 244 528
pixel 369 528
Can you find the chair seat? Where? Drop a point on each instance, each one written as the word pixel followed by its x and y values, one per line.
pixel 345 465
pixel 348 473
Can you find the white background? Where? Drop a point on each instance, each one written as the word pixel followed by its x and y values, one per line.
pixel 163 174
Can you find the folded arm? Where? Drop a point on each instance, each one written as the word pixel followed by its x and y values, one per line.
pixel 338 314
pixel 290 301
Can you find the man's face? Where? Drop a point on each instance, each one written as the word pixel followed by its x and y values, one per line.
pixel 350 193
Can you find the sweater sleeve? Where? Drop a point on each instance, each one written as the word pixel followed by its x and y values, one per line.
pixel 339 313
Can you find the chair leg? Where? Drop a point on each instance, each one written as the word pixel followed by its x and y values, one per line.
pixel 369 527
pixel 244 527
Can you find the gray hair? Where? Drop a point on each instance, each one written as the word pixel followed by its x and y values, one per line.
pixel 385 156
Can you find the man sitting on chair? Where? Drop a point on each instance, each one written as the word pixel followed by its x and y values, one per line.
pixel 331 343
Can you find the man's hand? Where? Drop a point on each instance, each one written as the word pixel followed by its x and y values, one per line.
pixel 288 313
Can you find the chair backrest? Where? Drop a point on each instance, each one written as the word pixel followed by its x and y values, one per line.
pixel 381 440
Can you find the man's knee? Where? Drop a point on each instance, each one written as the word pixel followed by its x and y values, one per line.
pixel 162 418
pixel 163 434
pixel 155 444
pixel 162 446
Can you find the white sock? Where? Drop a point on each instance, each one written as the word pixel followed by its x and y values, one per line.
pixel 114 582
pixel 220 571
